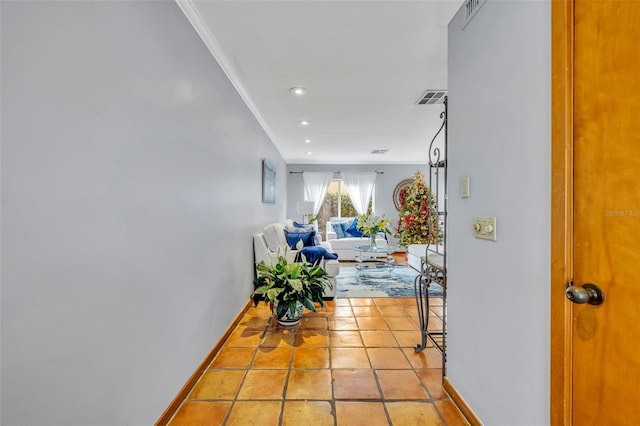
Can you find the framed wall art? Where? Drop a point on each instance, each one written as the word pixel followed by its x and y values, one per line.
pixel 268 183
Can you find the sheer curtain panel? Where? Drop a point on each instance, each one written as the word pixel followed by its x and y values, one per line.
pixel 359 187
pixel 315 187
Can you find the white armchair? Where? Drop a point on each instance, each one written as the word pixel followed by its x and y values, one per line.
pixel 271 243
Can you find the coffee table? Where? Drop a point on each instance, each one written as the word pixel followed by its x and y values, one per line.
pixel 374 259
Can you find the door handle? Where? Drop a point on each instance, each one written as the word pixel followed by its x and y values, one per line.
pixel 587 293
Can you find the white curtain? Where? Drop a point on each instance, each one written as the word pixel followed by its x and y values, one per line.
pixel 315 187
pixel 359 187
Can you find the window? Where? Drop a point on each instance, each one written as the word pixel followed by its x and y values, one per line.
pixel 337 203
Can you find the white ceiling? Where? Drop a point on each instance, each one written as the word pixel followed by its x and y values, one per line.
pixel 364 64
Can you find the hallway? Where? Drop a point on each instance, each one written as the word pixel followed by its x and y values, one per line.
pixel 350 363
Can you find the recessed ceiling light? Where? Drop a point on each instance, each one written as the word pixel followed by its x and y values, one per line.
pixel 304 123
pixel 307 141
pixel 298 91
pixel 308 152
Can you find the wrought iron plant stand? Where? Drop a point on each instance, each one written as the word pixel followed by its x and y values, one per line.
pixel 433 267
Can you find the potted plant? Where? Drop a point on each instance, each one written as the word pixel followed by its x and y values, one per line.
pixel 290 287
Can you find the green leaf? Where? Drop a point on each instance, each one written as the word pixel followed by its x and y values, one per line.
pixel 273 293
pixel 296 284
pixel 308 304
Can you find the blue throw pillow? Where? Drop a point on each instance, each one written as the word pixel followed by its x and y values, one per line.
pixel 339 228
pixel 308 238
pixel 299 227
pixel 315 254
pixel 353 230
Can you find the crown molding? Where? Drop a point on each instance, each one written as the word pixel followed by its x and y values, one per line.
pixel 198 23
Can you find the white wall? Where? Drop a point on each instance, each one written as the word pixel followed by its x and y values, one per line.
pixel 131 185
pixel 499 135
pixel 385 184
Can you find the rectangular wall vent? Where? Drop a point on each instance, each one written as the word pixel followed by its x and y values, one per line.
pixel 431 97
pixel 379 151
pixel 471 7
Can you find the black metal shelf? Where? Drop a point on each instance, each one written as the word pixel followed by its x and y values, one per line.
pixel 434 263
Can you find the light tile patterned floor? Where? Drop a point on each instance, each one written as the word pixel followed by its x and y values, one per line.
pixel 351 363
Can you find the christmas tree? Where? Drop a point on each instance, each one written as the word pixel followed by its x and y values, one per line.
pixel 419 222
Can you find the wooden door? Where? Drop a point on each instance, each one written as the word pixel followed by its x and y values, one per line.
pixel 601 343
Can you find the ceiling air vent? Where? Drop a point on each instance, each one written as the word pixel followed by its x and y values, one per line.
pixel 379 151
pixel 431 97
pixel 471 7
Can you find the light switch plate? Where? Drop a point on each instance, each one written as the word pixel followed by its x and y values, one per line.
pixel 464 187
pixel 484 228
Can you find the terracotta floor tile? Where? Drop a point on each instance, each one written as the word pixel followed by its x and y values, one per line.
pixel 201 413
pixel 362 301
pixel 320 310
pixel 428 358
pixel 296 413
pixel 402 323
pixel 343 311
pixel 437 310
pixel 344 338
pixel 373 339
pixel 401 384
pixel 309 384
pixel 329 305
pixel 432 380
pixel 218 384
pixel 313 323
pixel 360 414
pixel 450 413
pixel 392 311
pixel 407 301
pixel 312 338
pixel 329 308
pixel 263 384
pixel 366 311
pixel 272 358
pixel 413 413
pixel 244 338
pixel 355 384
pixel 343 323
pixel 386 301
pixel 435 324
pixel 341 302
pixel 349 358
pixel 372 324
pixel 408 338
pixel 435 301
pixel 254 323
pixel 275 327
pixel 262 310
pixel 263 413
pixel 387 359
pixel 278 338
pixel 233 358
pixel 310 358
